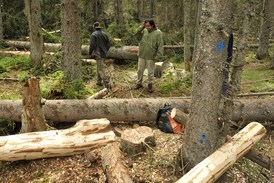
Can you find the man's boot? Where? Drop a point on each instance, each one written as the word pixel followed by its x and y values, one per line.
pixel 150 90
pixel 137 86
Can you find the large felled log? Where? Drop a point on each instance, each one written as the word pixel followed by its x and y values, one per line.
pixel 211 168
pixel 136 109
pixel 84 136
pixel 124 52
pixel 114 165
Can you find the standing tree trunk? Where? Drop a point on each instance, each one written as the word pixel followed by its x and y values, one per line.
pixel 1 25
pixel 239 62
pixel 33 118
pixel 267 14
pixel 71 39
pixel 187 34
pixel 33 12
pixel 151 8
pixel 202 135
pixel 139 12
pixel 119 12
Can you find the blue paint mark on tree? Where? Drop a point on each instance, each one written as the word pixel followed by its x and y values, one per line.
pixel 203 138
pixel 220 46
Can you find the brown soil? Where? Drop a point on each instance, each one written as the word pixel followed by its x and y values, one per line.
pixel 155 165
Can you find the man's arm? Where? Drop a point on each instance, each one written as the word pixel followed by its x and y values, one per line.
pixel 160 46
pixel 139 31
pixel 92 44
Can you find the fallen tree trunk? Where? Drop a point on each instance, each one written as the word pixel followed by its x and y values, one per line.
pixel 113 164
pixel 211 168
pixel 84 136
pixel 124 52
pixel 142 109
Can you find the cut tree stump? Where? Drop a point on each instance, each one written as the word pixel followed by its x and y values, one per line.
pixel 33 118
pixel 158 70
pixel 86 135
pixel 211 168
pixel 114 165
pixel 135 141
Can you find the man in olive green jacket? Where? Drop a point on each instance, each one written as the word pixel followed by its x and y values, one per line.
pixel 150 50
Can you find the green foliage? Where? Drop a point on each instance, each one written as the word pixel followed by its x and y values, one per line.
pixel 15 23
pixel 75 90
pixel 6 127
pixel 175 85
pixel 126 32
pixel 51 63
pixel 260 79
pixel 50 38
pixel 15 63
pixel 88 71
pixel 54 86
pixel 178 58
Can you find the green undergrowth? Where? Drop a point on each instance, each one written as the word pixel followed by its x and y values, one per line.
pixel 257 76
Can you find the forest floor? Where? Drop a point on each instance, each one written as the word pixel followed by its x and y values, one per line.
pixel 155 165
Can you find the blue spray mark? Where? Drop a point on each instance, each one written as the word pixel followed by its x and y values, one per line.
pixel 204 138
pixel 220 46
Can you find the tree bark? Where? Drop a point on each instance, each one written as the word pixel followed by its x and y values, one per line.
pixel 71 40
pixel 202 135
pixel 33 118
pixel 86 135
pixel 114 165
pixel 265 29
pixel 33 12
pixel 119 12
pixel 187 34
pixel 143 109
pixel 212 167
pixel 1 24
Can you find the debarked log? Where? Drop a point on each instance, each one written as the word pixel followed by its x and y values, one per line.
pixel 211 168
pixel 86 135
pixel 135 109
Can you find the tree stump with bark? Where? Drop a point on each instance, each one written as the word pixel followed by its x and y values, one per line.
pixel 33 118
pixel 158 69
pixel 114 165
pixel 135 141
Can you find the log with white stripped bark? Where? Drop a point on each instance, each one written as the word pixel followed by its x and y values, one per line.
pixel 211 168
pixel 82 137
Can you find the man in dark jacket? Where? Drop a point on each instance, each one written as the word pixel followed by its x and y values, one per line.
pixel 98 49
